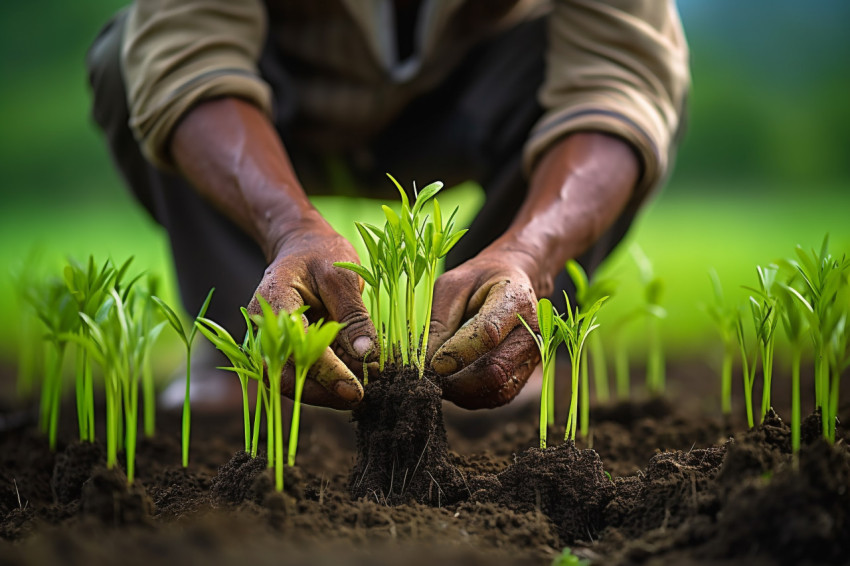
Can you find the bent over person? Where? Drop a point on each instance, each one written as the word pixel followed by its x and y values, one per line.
pixel 223 115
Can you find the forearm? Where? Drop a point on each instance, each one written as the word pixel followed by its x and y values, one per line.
pixel 577 191
pixel 229 151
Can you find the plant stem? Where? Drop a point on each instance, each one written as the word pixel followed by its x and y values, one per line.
pixel 111 428
pixel 795 399
pixel 246 412
pixel 80 391
pixel 726 379
pixel 550 394
pixel 300 378
pixel 56 396
pixel 767 374
pixel 584 405
pixel 258 411
pixel 544 404
pixel 655 362
pixel 600 368
pixel 187 409
pixel 278 427
pixel 822 387
pixel 148 395
pixel 89 399
pixel 429 303
pixel 573 418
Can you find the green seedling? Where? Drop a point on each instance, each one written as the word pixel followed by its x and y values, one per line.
pixel 587 293
pixel 749 359
pixel 55 308
pixel 246 361
pixel 547 340
pixel 401 254
pixel 567 558
pixel 823 303
pixel 574 330
pixel 308 345
pixel 187 337
pixel 796 327
pixel 653 288
pixel 89 286
pixel 763 308
pixel 724 317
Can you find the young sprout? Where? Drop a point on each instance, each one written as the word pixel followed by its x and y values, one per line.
pixel 187 338
pixel 763 310
pixel 245 365
pixel 57 311
pixel 574 330
pixel 407 249
pixel 748 366
pixel 547 340
pixel 725 319
pixel 796 326
pixel 89 286
pixel 654 312
pixel 308 345
pixel 824 281
pixel 587 293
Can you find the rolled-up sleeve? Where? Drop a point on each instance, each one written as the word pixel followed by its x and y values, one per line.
pixel 176 53
pixel 618 67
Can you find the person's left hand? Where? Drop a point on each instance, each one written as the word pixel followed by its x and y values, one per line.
pixel 477 345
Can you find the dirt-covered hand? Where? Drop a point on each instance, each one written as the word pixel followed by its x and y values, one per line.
pixel 303 274
pixel 478 346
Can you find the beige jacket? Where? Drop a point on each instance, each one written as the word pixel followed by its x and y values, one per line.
pixel 615 66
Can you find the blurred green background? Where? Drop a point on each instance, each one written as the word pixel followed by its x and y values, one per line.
pixel 764 165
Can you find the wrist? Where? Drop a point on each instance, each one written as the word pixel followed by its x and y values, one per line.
pixel 291 230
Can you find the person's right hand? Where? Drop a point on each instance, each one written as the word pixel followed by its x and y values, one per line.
pixel 303 273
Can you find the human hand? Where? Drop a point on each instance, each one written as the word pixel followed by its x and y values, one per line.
pixel 302 273
pixel 478 345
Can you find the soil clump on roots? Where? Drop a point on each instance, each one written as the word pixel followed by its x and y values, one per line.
pixel 402 451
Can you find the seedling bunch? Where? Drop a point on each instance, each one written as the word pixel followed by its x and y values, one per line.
pixel 402 254
pixel 279 338
pixel 111 323
pixel 572 329
pixel 809 295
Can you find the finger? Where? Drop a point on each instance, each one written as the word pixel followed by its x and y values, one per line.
pixel 341 295
pixel 447 311
pixel 361 370
pixel 329 384
pixel 279 297
pixel 496 377
pixel 487 329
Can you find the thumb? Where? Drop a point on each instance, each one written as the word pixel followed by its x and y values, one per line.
pixel 341 296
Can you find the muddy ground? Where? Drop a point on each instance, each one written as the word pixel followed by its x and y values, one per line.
pixel 655 483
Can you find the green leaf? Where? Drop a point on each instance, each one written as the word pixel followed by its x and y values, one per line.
pixel 172 318
pixel 200 314
pixel 359 270
pixel 404 200
pixel 450 243
pixel 545 318
pixel 425 195
pixel 579 277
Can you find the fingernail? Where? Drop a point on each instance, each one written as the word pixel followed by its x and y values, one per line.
pixel 362 345
pixel 347 391
pixel 444 365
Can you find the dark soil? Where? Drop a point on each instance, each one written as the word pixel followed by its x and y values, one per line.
pixel 658 486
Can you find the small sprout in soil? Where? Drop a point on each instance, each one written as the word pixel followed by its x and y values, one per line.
pixel 587 293
pixel 187 337
pixel 725 317
pixel 574 330
pixel 653 288
pixel 567 558
pixel 281 336
pixel 547 339
pixel 797 330
pixel 763 308
pixel 407 249
pixel 823 300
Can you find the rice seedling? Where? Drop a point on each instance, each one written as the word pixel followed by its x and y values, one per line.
pixel 823 302
pixel 187 337
pixel 119 338
pixel 763 308
pixel 401 254
pixel 547 340
pixel 587 293
pixel 749 358
pixel 724 316
pixel 797 330
pixel 574 330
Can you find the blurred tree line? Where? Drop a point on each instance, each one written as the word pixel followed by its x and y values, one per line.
pixel 769 104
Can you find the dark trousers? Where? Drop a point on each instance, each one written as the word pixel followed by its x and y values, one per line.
pixel 473 127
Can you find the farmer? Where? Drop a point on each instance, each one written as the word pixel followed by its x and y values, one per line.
pixel 223 115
